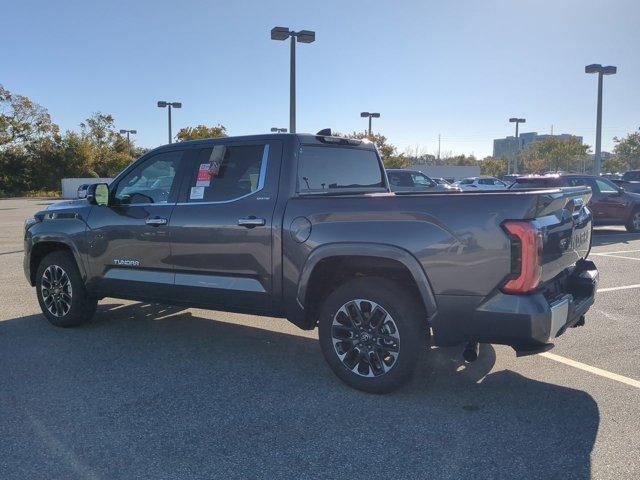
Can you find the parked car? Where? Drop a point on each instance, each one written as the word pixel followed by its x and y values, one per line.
pixel 82 190
pixel 630 181
pixel 306 227
pixel 401 180
pixel 481 183
pixel 610 203
pixel 446 183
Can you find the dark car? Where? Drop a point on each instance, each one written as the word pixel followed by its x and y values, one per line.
pixel 306 227
pixel 401 180
pixel 630 181
pixel 610 203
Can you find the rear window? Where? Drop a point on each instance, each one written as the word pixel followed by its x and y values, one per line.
pixel 534 183
pixel 322 169
pixel 631 176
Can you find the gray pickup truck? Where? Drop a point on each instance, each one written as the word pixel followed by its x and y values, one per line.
pixel 305 227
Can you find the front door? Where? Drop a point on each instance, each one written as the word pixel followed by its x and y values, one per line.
pixel 128 241
pixel 221 229
pixel 611 203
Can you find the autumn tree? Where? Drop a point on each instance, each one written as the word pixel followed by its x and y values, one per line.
pixel 201 131
pixel 22 120
pixel 555 154
pixel 389 153
pixel 627 152
pixel 493 167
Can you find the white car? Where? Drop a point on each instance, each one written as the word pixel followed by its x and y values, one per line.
pixel 481 183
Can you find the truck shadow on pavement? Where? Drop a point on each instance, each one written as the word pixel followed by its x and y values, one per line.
pixel 147 391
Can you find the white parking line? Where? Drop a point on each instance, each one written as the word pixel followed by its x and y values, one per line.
pixel 615 256
pixel 596 371
pixel 618 251
pixel 613 289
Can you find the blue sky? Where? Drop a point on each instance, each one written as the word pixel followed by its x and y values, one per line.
pixel 455 68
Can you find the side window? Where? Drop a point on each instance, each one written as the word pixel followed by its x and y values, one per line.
pixel 149 182
pixel 224 173
pixel 605 186
pixel 485 181
pixel 420 180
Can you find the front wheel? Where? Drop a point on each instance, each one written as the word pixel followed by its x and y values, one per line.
pixel 371 333
pixel 633 225
pixel 61 291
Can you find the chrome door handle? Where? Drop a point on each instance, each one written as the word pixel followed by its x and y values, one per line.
pixel 156 221
pixel 251 222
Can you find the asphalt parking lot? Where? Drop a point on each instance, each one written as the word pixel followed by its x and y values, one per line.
pixel 147 391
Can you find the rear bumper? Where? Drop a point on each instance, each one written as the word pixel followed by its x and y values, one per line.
pixel 525 322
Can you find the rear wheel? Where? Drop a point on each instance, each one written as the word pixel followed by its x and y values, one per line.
pixel 371 334
pixel 61 291
pixel 633 225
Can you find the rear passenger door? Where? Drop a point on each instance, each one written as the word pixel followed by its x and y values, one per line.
pixel 221 229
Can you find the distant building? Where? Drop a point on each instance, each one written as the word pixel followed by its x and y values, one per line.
pixel 508 147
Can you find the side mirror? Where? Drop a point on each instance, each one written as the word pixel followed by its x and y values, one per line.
pixel 98 194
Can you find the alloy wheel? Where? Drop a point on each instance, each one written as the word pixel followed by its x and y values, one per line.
pixel 56 290
pixel 365 338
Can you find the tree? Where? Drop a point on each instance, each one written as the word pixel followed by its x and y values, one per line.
pixel 22 120
pixel 627 150
pixel 201 131
pixel 389 153
pixel 554 155
pixel 493 167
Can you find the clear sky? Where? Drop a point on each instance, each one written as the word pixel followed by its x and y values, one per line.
pixel 456 68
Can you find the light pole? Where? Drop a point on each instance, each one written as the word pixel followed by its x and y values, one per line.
pixel 601 71
pixel 517 121
pixel 370 115
pixel 278 130
pixel 168 105
pixel 303 36
pixel 132 132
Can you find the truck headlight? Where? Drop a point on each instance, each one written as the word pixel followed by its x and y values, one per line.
pixel 30 221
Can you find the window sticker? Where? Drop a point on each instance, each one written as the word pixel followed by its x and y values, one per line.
pixel 204 176
pixel 197 193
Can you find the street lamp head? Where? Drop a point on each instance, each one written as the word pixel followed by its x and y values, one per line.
pixel 593 68
pixel 176 104
pixel 609 70
pixel 123 131
pixel 364 114
pixel 280 33
pixel 162 104
pixel 517 120
pixel 306 36
pixel 134 132
pixel 375 115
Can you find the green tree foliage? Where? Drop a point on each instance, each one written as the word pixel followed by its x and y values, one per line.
pixel 627 152
pixel 35 156
pixel 201 131
pixel 554 155
pixel 494 167
pixel 22 120
pixel 389 153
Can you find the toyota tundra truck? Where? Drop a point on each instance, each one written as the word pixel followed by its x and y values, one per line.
pixel 305 227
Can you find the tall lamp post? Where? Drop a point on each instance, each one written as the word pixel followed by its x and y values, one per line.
pixel 169 105
pixel 517 121
pixel 370 115
pixel 303 36
pixel 132 132
pixel 278 130
pixel 601 71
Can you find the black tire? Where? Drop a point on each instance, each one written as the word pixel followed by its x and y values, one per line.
pixel 61 291
pixel 338 332
pixel 633 225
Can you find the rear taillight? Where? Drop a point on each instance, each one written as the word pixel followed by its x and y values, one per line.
pixel 526 254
